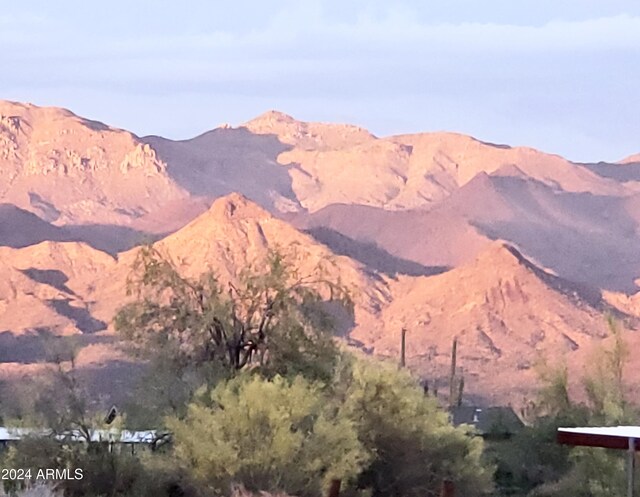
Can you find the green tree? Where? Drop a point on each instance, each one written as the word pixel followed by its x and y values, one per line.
pixel 272 319
pixel 413 443
pixel 268 434
pixel 604 382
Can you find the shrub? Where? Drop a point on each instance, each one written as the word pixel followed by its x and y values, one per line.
pixel 414 445
pixel 272 435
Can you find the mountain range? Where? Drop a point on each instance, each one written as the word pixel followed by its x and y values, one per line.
pixel 517 254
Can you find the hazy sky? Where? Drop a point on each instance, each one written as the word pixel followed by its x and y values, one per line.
pixel 562 76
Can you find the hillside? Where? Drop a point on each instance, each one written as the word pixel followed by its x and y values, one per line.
pixel 236 233
pixel 505 310
pixel 52 287
pixel 582 236
pixel 113 190
pixel 21 228
pixel 72 289
pixel 70 170
pixel 331 164
pixel 507 314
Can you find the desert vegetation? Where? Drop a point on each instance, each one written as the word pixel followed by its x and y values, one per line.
pixel 533 464
pixel 248 379
pixel 259 398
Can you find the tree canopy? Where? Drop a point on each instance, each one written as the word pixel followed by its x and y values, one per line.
pixel 271 319
pixel 268 434
pixel 412 439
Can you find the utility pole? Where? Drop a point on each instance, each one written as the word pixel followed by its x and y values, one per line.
pixel 403 343
pixel 452 374
pixel 631 466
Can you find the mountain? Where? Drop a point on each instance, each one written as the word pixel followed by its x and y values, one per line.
pixel 507 314
pixel 227 160
pixel 54 289
pixel 517 253
pixel 51 287
pixel 331 164
pixel 69 288
pixel 71 170
pixel 236 233
pixel 582 236
pixel 76 289
pixel 505 310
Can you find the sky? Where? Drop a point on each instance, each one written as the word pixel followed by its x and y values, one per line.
pixel 560 76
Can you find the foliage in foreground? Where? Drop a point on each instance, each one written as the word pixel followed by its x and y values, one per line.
pixel 269 435
pixel 104 473
pixel 373 428
pixel 272 319
pixel 414 446
pixel 533 463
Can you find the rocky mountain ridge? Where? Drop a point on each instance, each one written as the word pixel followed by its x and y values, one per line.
pixel 516 253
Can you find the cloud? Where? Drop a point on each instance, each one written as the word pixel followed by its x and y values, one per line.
pixel 621 31
pixel 303 31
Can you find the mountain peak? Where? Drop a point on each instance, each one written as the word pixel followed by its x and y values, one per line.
pixel 501 254
pixel 504 248
pixel 27 110
pixel 309 136
pixel 272 116
pixel 236 206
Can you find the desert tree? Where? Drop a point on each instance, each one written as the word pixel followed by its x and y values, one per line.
pixel 271 318
pixel 57 399
pixel 413 443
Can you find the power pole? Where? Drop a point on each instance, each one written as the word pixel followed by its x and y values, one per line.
pixel 452 374
pixel 403 343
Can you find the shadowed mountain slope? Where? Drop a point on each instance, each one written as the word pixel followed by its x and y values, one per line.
pixel 581 236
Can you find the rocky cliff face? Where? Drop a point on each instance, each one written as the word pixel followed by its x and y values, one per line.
pixel 70 170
